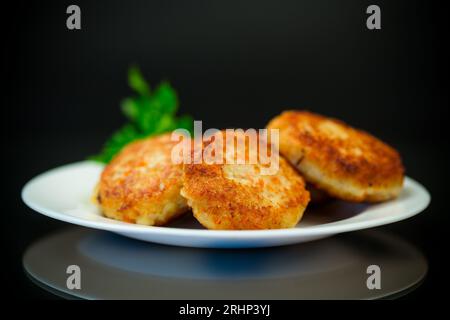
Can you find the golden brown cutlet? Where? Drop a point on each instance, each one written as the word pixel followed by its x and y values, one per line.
pixel 142 185
pixel 347 163
pixel 238 196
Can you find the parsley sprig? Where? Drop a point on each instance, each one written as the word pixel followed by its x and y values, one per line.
pixel 148 113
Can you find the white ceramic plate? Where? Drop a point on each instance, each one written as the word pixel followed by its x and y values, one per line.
pixel 65 193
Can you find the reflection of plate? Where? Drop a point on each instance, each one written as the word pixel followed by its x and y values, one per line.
pixel 113 267
pixel 64 194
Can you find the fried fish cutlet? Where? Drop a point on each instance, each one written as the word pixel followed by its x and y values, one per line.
pixel 347 163
pixel 232 196
pixel 141 184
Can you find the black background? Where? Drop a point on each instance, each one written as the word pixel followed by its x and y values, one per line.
pixel 234 64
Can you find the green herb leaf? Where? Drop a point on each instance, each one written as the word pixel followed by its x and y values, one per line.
pixel 137 82
pixel 130 109
pixel 167 98
pixel 185 122
pixel 148 114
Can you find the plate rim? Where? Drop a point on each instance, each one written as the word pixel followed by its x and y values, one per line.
pixel 122 227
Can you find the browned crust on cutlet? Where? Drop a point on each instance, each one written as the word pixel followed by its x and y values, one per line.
pixel 141 184
pixel 232 196
pixel 348 163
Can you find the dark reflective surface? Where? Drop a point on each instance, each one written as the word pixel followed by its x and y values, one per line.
pixel 114 267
